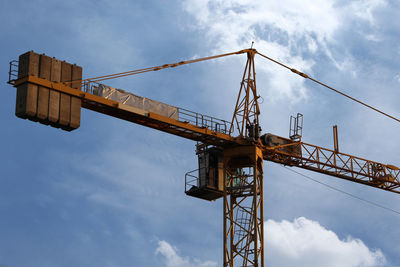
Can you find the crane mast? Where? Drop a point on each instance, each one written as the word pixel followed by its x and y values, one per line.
pixel 230 154
pixel 243 179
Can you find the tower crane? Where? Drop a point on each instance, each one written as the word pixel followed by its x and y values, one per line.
pixel 230 154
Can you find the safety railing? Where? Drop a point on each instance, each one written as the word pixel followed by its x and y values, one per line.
pixel 184 115
pixel 201 120
pixel 13 72
pixel 91 88
pixel 192 181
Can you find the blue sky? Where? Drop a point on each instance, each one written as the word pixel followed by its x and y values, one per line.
pixel 111 192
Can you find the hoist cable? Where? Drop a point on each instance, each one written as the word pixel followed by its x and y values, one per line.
pixel 156 68
pixel 343 192
pixel 329 87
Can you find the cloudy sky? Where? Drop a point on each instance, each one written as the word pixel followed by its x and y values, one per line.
pixel 111 193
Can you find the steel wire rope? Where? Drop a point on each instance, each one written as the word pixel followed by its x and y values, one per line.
pixel 156 68
pixel 329 87
pixel 344 192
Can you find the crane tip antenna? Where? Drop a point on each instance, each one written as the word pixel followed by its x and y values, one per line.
pixel 252 44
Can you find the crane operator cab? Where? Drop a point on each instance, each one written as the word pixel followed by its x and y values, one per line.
pixel 207 181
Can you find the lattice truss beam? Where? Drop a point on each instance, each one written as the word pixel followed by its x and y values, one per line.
pixel 356 169
pixel 243 210
pixel 246 109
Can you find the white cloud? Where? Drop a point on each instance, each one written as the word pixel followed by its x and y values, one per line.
pixel 397 77
pixel 306 243
pixel 287 30
pixel 299 243
pixel 172 259
pixel 282 31
pixel 364 9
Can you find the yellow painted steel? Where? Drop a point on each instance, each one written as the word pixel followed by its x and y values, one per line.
pixel 153 120
pixel 240 152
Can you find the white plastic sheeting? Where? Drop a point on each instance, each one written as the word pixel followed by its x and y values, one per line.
pixel 132 100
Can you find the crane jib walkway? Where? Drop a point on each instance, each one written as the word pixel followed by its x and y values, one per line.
pixel 192 125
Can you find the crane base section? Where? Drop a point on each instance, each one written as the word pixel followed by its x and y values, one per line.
pixel 45 105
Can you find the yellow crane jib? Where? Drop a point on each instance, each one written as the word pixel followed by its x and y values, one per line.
pixel 230 154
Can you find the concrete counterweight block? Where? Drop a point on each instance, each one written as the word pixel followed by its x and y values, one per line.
pixel 44 93
pixel 76 102
pixel 54 96
pixel 44 103
pixel 65 100
pixel 26 100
